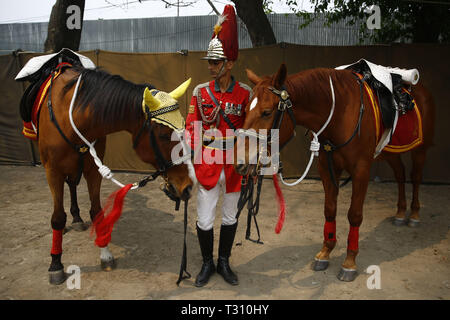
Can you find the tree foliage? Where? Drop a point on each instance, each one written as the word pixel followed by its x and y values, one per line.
pixel 419 21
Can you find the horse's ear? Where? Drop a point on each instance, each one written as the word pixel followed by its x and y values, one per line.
pixel 280 77
pixel 252 76
pixel 178 92
pixel 150 101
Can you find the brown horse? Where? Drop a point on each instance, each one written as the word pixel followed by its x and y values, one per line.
pixel 104 104
pixel 311 97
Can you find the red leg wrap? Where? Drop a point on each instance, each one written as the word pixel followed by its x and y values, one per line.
pixel 329 231
pixel 57 241
pixel 353 238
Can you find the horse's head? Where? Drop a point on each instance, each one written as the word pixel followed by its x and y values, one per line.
pixel 262 115
pixel 162 131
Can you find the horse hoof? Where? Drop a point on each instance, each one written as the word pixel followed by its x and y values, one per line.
pixel 399 222
pixel 56 277
pixel 108 265
pixel 413 223
pixel 79 226
pixel 347 275
pixel 320 265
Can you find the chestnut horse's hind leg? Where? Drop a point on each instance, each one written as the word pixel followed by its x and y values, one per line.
pixel 321 259
pixel 360 182
pixel 396 163
pixel 77 223
pixel 418 160
pixel 58 222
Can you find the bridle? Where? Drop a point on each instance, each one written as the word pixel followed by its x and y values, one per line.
pixel 162 164
pixel 248 189
pixel 284 105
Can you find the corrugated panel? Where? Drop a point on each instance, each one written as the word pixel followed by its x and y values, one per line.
pixel 175 33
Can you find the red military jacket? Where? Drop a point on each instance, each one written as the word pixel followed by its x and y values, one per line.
pixel 202 108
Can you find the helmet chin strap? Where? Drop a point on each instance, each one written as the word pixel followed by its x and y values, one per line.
pixel 222 70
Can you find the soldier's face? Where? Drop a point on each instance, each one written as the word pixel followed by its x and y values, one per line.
pixel 214 67
pixel 217 68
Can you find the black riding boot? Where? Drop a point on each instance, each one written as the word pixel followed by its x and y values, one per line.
pixel 227 234
pixel 206 240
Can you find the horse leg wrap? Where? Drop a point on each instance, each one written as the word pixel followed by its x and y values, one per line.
pixel 353 238
pixel 57 242
pixel 329 231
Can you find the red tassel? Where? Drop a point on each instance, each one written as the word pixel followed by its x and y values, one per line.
pixel 281 205
pixel 104 223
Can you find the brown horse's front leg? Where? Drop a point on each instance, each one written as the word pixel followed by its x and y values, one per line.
pixel 58 222
pixel 360 182
pixel 321 260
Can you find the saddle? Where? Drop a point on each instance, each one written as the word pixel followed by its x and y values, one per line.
pixel 37 71
pixel 388 84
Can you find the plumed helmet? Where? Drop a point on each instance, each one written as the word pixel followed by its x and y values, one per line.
pixel 224 42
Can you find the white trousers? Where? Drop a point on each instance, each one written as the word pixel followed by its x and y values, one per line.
pixel 207 202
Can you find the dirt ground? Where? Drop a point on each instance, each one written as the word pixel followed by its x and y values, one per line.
pixel 414 263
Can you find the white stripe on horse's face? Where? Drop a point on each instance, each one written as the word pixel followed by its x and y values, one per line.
pixel 253 104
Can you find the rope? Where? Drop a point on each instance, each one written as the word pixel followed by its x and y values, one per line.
pixel 315 144
pixel 102 169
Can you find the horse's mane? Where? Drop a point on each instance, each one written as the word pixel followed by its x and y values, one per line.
pixel 316 81
pixel 110 98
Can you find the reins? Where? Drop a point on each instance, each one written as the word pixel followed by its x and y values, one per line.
pixel 247 197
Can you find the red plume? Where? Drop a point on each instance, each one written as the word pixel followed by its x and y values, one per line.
pixel 226 31
pixel 104 223
pixel 281 205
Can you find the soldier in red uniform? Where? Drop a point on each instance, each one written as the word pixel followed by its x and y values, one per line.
pixel 217 109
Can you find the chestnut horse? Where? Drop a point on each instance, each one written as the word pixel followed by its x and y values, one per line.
pixel 104 104
pixel 311 97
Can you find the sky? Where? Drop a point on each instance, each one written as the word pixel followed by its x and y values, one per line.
pixel 24 11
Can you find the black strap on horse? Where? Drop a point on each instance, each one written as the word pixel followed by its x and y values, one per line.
pixel 329 147
pixel 284 105
pixel 81 149
pixel 183 265
pixel 247 197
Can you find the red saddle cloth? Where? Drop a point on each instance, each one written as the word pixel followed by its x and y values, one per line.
pixel 30 128
pixel 408 133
